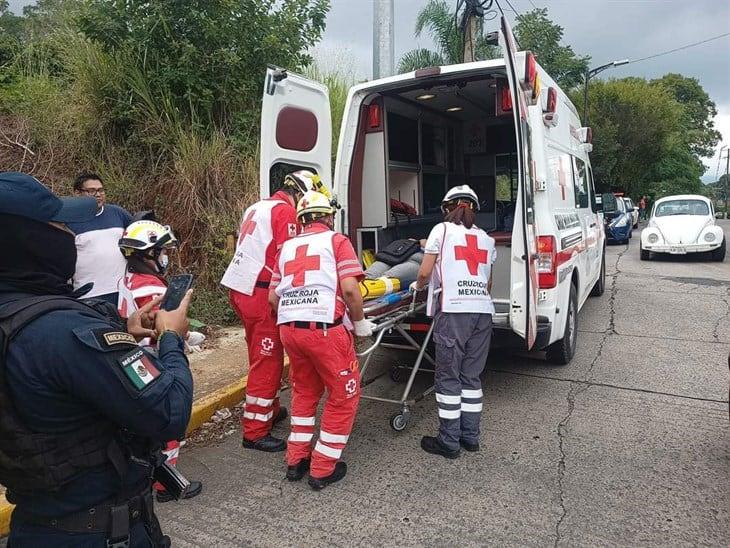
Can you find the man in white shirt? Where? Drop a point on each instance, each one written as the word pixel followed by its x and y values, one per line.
pixel 98 258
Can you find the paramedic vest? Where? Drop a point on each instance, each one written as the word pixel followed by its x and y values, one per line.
pixel 462 271
pixel 132 287
pixel 250 257
pixel 308 288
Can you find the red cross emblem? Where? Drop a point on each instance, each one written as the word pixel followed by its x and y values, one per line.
pixel 471 254
pixel 248 226
pixel 300 265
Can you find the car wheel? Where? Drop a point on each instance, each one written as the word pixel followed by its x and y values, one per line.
pixel 636 225
pixel 644 254
pixel 719 253
pixel 600 286
pixel 631 234
pixel 562 351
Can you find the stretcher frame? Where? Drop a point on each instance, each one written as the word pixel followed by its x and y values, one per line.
pixel 388 322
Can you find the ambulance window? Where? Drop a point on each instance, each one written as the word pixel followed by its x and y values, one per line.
pixel 280 170
pixel 592 187
pixel 580 180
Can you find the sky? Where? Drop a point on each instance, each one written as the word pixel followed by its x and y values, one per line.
pixel 604 29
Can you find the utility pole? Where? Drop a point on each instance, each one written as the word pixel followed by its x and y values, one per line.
pixel 727 176
pixel 383 39
pixel 470 39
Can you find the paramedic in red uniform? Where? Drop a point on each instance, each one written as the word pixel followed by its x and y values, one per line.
pixel 458 260
pixel 314 289
pixel 266 225
pixel 144 245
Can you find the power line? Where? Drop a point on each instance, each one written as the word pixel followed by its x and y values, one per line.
pixel 681 48
pixel 512 8
pixel 533 4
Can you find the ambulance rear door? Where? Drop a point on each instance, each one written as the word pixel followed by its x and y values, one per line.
pixel 296 129
pixel 524 278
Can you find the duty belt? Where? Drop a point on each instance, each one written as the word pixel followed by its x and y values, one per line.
pixel 315 325
pixel 105 517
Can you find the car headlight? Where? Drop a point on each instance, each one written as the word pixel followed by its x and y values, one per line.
pixel 710 237
pixel 620 223
pixel 653 238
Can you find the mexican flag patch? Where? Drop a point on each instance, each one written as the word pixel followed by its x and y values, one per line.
pixel 139 369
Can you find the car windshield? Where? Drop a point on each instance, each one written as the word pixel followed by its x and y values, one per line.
pixel 681 207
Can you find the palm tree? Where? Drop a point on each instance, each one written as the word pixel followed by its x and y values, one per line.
pixel 441 24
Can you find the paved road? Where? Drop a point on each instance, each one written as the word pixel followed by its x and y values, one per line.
pixel 627 445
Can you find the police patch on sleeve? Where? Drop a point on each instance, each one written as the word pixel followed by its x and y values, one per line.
pixel 139 369
pixel 105 339
pixel 111 338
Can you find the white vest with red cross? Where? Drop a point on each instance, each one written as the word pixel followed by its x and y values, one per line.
pixel 250 257
pixel 308 288
pixel 462 271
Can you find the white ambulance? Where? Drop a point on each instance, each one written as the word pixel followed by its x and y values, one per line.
pixel 505 128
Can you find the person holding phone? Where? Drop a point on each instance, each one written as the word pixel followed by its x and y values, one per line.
pixel 78 452
pixel 145 245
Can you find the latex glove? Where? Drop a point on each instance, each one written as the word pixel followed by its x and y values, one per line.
pixel 363 328
pixel 413 288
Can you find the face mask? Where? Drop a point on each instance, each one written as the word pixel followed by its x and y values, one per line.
pixel 163 261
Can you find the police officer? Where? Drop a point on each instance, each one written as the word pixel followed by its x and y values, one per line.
pixel 83 409
pixel 458 260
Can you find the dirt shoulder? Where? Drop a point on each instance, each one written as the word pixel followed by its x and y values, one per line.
pixel 225 362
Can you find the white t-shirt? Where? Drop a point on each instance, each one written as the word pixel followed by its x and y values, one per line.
pixel 99 260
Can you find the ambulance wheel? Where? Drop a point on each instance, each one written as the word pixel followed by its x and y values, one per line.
pixel 600 286
pixel 397 374
pixel 562 351
pixel 398 422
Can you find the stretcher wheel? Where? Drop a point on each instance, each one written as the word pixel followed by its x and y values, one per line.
pixel 398 422
pixel 397 374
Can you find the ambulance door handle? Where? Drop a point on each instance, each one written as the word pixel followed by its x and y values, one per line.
pixel 593 225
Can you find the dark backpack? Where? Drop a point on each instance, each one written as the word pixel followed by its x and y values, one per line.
pixel 397 252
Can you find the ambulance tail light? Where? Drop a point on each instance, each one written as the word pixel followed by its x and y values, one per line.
pixel 547 262
pixel 531 83
pixel 374 117
pixel 505 102
pixel 552 100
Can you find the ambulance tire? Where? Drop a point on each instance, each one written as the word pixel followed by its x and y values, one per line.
pixel 562 351
pixel 600 286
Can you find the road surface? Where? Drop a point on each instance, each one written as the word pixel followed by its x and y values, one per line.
pixel 627 445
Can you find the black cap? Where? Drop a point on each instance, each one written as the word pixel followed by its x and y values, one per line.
pixel 25 196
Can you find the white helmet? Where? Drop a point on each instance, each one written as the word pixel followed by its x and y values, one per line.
pixel 460 194
pixel 304 180
pixel 147 239
pixel 314 204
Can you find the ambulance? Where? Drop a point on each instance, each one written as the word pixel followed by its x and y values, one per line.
pixel 503 127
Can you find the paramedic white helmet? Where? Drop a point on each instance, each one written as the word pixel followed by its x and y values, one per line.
pixel 148 239
pixel 460 194
pixel 304 180
pixel 314 205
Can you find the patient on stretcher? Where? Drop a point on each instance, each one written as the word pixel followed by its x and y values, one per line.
pixel 395 267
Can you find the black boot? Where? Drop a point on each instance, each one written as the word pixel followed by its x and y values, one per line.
pixel 471 447
pixel 193 490
pixel 320 483
pixel 434 446
pixel 268 443
pixel 281 415
pixel 298 470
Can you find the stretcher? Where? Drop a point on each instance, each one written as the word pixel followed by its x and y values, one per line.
pixel 390 313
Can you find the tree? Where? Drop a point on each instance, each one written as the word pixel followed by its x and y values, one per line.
pixel 11 31
pixel 635 130
pixel 698 112
pixel 206 58
pixel 441 24
pixel 537 33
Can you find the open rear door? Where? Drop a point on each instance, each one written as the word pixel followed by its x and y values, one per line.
pixel 296 129
pixel 523 300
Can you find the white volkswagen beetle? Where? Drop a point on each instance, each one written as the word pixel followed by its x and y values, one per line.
pixel 680 225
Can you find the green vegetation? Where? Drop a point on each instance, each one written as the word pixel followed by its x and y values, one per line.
pixel 161 98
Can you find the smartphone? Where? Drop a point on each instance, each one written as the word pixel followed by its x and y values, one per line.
pixel 176 290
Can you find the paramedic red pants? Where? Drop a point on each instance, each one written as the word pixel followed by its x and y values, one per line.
pixel 321 360
pixel 265 362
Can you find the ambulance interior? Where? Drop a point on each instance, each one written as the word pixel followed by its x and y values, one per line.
pixel 415 143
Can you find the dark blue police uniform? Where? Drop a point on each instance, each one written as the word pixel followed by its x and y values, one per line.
pixel 66 369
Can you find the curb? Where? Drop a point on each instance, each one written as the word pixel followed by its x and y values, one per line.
pixel 203 409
